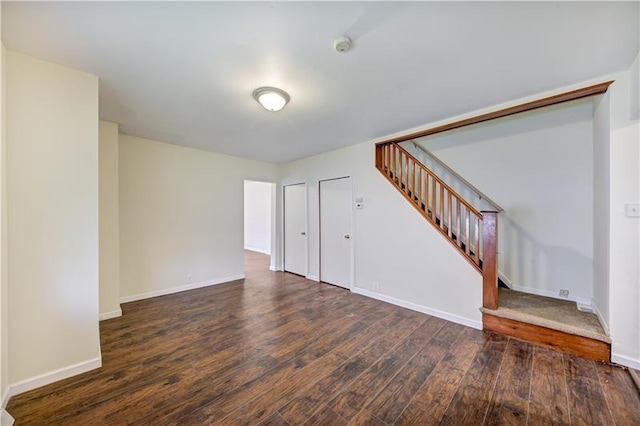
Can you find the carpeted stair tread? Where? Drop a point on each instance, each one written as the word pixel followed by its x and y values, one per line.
pixel 548 312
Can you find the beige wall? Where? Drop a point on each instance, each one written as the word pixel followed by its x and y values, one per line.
pixel 108 219
pixel 4 306
pixel 181 216
pixel 52 194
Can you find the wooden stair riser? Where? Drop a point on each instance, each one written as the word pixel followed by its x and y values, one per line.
pixel 566 342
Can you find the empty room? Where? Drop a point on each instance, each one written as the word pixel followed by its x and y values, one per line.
pixel 319 213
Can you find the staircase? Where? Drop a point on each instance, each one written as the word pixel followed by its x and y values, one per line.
pixel 474 234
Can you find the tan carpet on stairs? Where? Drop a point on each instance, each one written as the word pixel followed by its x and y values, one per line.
pixel 547 312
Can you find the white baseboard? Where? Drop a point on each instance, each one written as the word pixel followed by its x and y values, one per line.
pixel 5 398
pixel 425 310
pixel 54 376
pixel 603 323
pixel 5 418
pixel 505 280
pixel 626 361
pixel 113 314
pixel 257 250
pixel 553 294
pixel 313 278
pixel 275 269
pixel 178 289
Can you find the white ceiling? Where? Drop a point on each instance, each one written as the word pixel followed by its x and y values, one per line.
pixel 184 72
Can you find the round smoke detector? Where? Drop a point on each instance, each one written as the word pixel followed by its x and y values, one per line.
pixel 342 44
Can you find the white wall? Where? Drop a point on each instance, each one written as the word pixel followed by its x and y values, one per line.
pixel 257 216
pixel 181 216
pixel 624 266
pixel 52 195
pixel 108 221
pixel 538 166
pixel 4 306
pixel 397 255
pixel 601 202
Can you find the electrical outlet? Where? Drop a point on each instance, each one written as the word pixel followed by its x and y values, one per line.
pixel 376 286
pixel 632 209
pixel 189 278
pixel 564 292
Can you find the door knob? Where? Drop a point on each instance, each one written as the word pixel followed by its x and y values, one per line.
pixel 303 233
pixel 347 236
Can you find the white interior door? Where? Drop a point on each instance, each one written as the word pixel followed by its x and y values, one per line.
pixel 295 229
pixel 335 232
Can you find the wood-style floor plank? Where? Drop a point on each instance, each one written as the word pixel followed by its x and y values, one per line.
pixel 414 415
pixel 587 403
pixel 365 418
pixel 326 416
pixel 392 400
pixel 469 404
pixel 509 404
pixel 548 400
pixel 353 398
pixel 257 408
pixel 436 393
pixel 300 408
pixel 277 349
pixel 621 394
pixel 274 420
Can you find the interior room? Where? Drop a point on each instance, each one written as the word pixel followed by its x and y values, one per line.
pixel 320 213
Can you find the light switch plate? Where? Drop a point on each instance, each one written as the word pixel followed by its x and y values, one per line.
pixel 632 209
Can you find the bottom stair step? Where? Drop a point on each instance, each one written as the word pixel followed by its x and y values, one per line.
pixel 578 345
pixel 551 322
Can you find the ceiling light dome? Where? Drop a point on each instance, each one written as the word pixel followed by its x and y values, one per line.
pixel 271 98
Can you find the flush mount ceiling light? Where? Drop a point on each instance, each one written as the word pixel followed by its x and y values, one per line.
pixel 271 98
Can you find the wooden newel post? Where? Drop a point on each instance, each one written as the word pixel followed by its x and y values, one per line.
pixel 490 259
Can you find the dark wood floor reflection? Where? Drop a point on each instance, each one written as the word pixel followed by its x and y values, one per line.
pixel 281 350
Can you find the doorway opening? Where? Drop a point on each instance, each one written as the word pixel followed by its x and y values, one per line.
pixel 259 225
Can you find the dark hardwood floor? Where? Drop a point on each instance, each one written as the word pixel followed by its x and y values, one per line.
pixel 276 349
